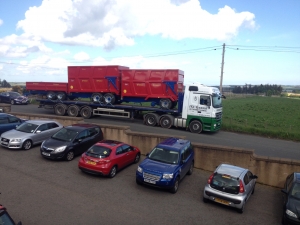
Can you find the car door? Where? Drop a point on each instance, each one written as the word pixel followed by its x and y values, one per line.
pixel 129 154
pixel 5 97
pixel 248 185
pixel 52 128
pixel 13 122
pixel 287 187
pixel 41 133
pixel 120 157
pixel 81 142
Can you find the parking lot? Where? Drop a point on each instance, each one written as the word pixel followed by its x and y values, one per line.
pixel 40 191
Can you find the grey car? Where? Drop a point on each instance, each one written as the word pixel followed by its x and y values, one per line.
pixel 29 133
pixel 230 185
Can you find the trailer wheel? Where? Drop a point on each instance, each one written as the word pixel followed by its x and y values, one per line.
pixel 86 112
pixel 109 98
pixel 151 119
pixel 60 109
pixel 51 95
pixel 73 110
pixel 195 127
pixel 61 96
pixel 165 103
pixel 166 121
pixel 97 97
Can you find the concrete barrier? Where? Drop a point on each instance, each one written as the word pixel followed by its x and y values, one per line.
pixel 5 108
pixel 270 171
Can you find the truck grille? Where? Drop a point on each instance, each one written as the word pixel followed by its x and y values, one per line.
pixel 219 115
pixel 151 176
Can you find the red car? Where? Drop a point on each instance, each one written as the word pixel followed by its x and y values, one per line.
pixel 107 157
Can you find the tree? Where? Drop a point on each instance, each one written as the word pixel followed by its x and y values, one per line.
pixel 4 83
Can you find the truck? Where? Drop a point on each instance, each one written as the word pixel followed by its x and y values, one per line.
pixel 114 85
pixel 199 108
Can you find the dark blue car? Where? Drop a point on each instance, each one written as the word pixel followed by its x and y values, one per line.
pixel 9 122
pixel 167 164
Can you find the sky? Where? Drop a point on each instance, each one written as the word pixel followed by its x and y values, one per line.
pixel 260 40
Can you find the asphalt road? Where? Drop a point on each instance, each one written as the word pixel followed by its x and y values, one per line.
pixel 261 145
pixel 38 191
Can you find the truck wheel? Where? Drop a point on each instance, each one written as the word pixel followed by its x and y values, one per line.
pixel 109 98
pixel 195 127
pixel 166 121
pixel 165 103
pixel 61 96
pixel 73 110
pixel 51 95
pixel 60 109
pixel 151 119
pixel 97 97
pixel 86 112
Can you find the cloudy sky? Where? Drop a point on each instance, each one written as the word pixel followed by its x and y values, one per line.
pixel 39 39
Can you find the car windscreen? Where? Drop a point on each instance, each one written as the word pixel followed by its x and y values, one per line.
pixel 27 127
pixel 225 183
pixel 98 152
pixel 295 191
pixel 65 134
pixel 164 155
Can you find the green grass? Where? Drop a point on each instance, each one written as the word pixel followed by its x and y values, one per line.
pixel 266 116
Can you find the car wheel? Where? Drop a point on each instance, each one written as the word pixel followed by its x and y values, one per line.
pixel 241 210
pixel 27 145
pixel 12 102
pixel 70 156
pixel 137 158
pixel 174 189
pixel 191 169
pixel 113 172
pixel 138 182
pixel 205 200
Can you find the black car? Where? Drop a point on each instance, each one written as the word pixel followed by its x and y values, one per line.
pixel 13 98
pixel 9 122
pixel 71 141
pixel 291 199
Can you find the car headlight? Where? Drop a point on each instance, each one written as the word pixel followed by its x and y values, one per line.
pixel 16 140
pixel 60 149
pixel 290 213
pixel 168 176
pixel 139 169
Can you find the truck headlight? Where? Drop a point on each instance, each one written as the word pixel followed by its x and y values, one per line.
pixel 139 169
pixel 60 149
pixel 168 176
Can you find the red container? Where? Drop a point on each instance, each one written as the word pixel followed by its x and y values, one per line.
pixel 95 79
pixel 47 86
pixel 152 83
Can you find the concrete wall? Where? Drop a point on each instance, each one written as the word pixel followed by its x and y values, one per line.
pixel 270 171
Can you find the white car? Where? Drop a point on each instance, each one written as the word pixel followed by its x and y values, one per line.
pixel 29 133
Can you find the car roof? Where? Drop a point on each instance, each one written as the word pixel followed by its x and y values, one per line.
pixel 175 144
pixel 110 143
pixel 81 126
pixel 39 122
pixel 5 114
pixel 234 171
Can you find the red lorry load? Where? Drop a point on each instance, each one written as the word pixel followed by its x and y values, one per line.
pixel 110 84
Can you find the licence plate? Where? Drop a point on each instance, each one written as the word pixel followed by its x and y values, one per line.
pixel 4 143
pixel 222 201
pixel 150 181
pixel 46 154
pixel 90 162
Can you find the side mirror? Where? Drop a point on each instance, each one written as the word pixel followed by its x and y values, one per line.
pixel 284 191
pixel 147 154
pixel 38 131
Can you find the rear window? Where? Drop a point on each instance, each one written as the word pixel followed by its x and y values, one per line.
pixel 98 152
pixel 225 183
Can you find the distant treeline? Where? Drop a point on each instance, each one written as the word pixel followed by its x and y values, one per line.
pixel 258 89
pixel 4 83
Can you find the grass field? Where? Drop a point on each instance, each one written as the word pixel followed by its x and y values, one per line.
pixel 266 116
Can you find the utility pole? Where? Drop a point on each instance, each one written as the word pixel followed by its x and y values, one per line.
pixel 222 68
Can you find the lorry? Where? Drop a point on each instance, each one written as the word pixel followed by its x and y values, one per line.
pixel 115 84
pixel 199 109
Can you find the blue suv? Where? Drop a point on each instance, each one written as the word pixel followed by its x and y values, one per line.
pixel 167 164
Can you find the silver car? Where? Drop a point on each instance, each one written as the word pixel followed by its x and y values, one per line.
pixel 29 133
pixel 230 185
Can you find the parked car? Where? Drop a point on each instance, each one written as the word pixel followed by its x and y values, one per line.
pixel 5 218
pixel 230 185
pixel 107 157
pixel 291 199
pixel 29 133
pixel 71 141
pixel 13 98
pixel 9 122
pixel 167 164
